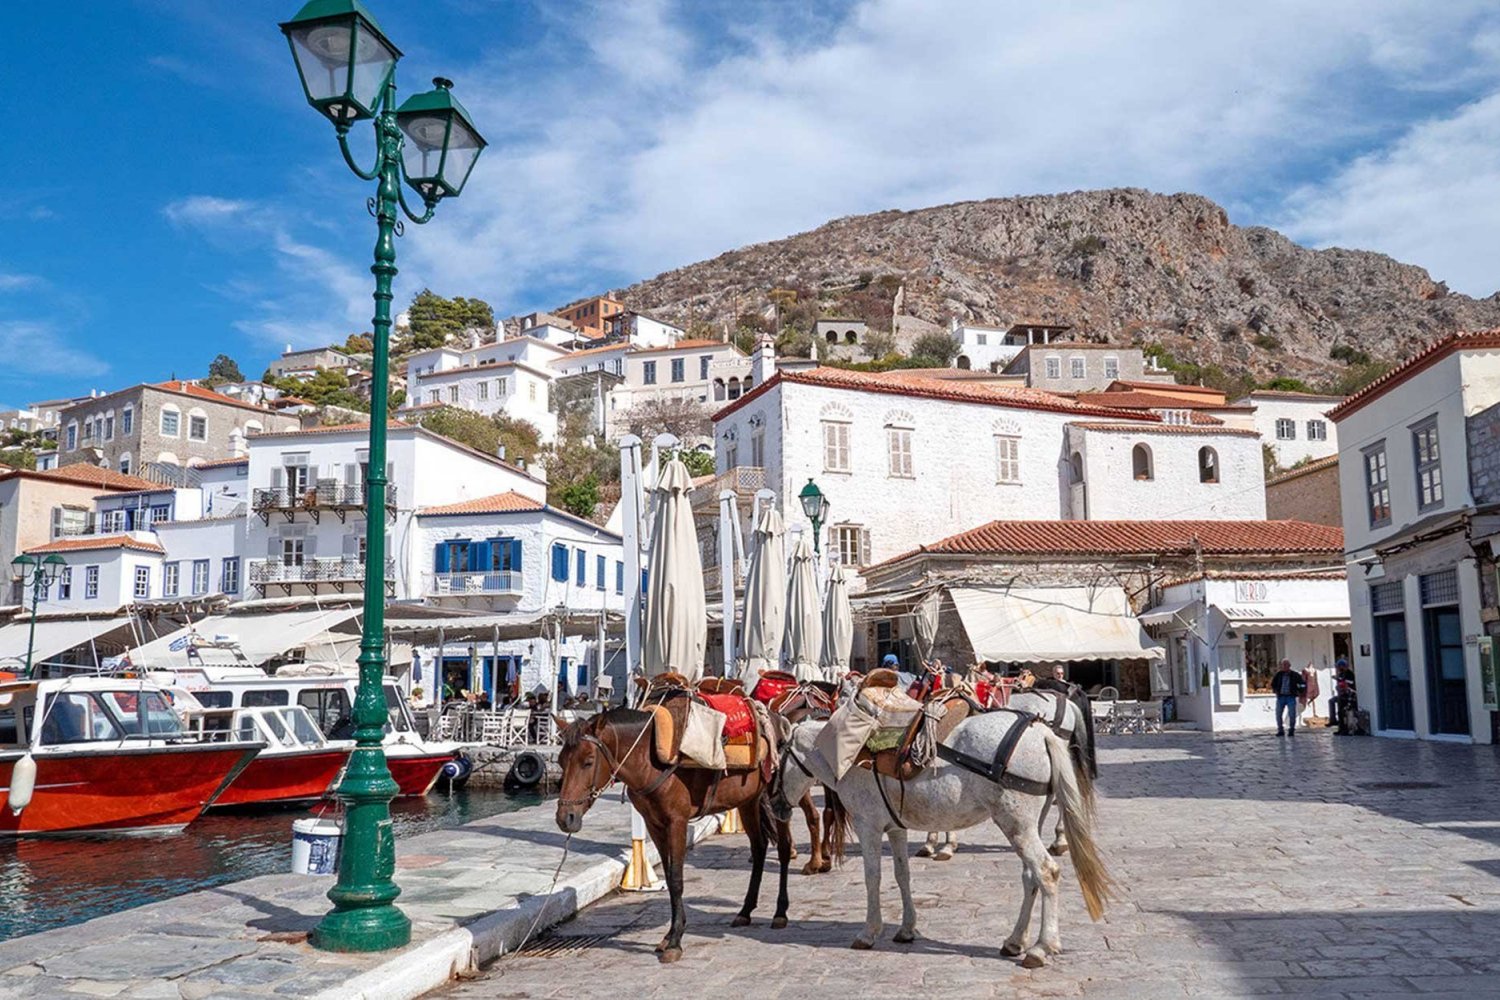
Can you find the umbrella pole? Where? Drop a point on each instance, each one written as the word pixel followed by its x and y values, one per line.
pixel 728 528
pixel 639 876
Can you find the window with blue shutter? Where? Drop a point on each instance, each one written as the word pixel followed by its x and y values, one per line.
pixel 599 563
pixel 560 563
pixel 440 558
pixel 479 556
pixel 619 577
pixel 581 567
pixel 515 555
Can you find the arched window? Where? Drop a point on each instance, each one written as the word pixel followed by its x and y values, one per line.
pixel 832 336
pixel 1075 467
pixel 1208 465
pixel 963 362
pixel 1140 463
pixel 718 389
pixel 734 387
pixel 850 337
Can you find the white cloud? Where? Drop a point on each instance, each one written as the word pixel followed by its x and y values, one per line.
pixel 32 348
pixel 17 282
pixel 200 209
pixel 1429 198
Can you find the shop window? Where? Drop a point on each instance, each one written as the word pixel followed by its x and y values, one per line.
pixel 1262 659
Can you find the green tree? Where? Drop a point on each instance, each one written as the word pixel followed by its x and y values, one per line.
pixel 327 387
pixel 18 458
pixel 1288 384
pixel 221 370
pixel 434 318
pixel 359 343
pixel 699 463
pixel 938 349
pixel 580 497
pixel 521 439
pixel 1357 377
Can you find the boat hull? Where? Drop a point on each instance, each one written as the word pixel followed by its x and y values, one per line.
pixel 122 789
pixel 284 779
pixel 415 772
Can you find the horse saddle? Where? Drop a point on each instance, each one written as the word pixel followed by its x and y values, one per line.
pixel 940 715
pixel 717 721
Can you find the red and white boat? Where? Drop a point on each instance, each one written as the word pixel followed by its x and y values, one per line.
pixel 299 764
pixel 104 755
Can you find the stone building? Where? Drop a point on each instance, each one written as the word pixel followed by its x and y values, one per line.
pixel 1308 493
pixel 1077 366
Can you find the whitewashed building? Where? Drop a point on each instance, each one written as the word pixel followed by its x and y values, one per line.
pixel 1173 472
pixel 1295 424
pixel 104 573
pixel 1417 461
pixel 510 376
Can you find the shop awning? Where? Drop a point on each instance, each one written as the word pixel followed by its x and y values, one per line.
pixel 57 636
pixel 259 637
pixel 1281 614
pixel 1180 613
pixel 1053 624
pixel 486 627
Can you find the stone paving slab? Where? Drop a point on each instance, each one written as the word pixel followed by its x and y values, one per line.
pixel 1247 866
pixel 473 893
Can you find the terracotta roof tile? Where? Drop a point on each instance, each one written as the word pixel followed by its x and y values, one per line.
pixel 499 503
pixel 89 542
pixel 1289 394
pixel 207 395
pixel 93 475
pixel 1158 537
pixel 1164 387
pixel 223 463
pixel 683 345
pixel 1142 399
pixel 1317 465
pixel 1478 340
pixel 1195 428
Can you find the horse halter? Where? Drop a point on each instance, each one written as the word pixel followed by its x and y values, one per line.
pixel 614 770
pixel 778 784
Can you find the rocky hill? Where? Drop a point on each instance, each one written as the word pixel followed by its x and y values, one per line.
pixel 1123 266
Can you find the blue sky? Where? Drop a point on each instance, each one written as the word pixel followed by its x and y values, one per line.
pixel 169 196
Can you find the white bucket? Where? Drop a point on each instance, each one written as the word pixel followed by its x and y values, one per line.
pixel 315 846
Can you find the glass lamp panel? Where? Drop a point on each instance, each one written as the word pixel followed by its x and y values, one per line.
pixel 373 61
pixel 422 153
pixel 464 145
pixel 322 52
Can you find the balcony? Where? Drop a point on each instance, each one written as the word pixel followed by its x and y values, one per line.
pixel 495 583
pixel 328 496
pixel 339 573
pixel 744 480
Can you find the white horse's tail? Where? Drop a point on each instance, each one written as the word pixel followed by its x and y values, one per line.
pixel 1078 819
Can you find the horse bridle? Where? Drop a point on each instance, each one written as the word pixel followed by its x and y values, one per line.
pixel 614 770
pixel 778 785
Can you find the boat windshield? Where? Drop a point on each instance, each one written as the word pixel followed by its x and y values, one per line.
pixel 78 717
pixel 143 712
pixel 303 727
pixel 397 710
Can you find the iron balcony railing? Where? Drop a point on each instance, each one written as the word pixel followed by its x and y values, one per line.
pixel 493 582
pixel 335 570
pixel 325 495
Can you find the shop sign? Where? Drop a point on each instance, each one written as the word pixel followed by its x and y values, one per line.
pixel 1251 591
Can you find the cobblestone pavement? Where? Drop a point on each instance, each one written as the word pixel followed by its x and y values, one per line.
pixel 1320 866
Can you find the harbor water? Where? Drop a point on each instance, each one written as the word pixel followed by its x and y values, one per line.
pixel 52 883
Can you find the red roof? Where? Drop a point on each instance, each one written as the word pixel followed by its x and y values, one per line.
pixel 905 383
pixel 223 463
pixel 1477 341
pixel 500 503
pixel 97 542
pixel 1158 537
pixel 93 475
pixel 1169 387
pixel 1317 465
pixel 208 395
pixel 1289 394
pixel 1143 399
pixel 683 345
pixel 1215 429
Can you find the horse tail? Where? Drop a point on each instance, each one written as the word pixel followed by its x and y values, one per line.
pixel 1078 820
pixel 1087 743
pixel 838 825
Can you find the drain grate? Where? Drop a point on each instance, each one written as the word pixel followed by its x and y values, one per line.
pixel 561 945
pixel 1400 786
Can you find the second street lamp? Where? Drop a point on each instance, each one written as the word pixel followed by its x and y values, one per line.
pixel 815 506
pixel 348 71
pixel 37 575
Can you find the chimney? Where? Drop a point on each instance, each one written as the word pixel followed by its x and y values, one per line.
pixel 500 452
pixel 763 361
pixel 288 349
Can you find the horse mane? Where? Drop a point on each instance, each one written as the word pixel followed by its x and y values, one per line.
pixel 624 718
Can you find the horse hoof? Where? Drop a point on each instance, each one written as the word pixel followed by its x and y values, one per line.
pixel 905 937
pixel 1058 850
pixel 1011 950
pixel 925 851
pixel 943 855
pixel 1034 960
pixel 860 944
pixel 793 854
pixel 1052 949
pixel 670 955
pixel 778 923
pixel 740 920
pixel 826 866
pixel 813 867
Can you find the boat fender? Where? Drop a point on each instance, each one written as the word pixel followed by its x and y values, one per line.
pixel 457 768
pixel 22 784
pixel 528 769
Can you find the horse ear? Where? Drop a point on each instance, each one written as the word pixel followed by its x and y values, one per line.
pixel 560 722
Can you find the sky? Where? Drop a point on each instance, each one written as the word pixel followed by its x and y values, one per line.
pixel 170 196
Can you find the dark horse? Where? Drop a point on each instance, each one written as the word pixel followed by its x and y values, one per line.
pixel 617 746
pixel 812 700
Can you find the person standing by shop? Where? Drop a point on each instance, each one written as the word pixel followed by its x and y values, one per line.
pixel 1288 688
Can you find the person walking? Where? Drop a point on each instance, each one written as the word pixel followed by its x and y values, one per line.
pixel 1288 688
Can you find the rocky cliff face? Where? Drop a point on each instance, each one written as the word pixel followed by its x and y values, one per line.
pixel 1124 266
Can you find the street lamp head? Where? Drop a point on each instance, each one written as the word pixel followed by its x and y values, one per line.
pixel 20 566
pixel 51 567
pixel 442 143
pixel 344 60
pixel 814 504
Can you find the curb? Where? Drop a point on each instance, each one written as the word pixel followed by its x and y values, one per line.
pixel 435 963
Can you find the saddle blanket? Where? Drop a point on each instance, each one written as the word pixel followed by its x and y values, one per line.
pixel 772 685
pixel 738 718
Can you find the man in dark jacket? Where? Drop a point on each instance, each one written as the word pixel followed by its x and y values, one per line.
pixel 1288 687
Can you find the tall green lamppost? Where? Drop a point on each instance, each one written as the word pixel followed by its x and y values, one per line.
pixel 38 575
pixel 348 71
pixel 815 506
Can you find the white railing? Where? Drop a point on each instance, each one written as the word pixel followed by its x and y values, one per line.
pixel 492 582
pixel 336 570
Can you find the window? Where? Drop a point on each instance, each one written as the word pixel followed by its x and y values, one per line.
pixel 1077 367
pixel 1317 430
pixel 198 428
pixel 981 339
pixel 109 427
pixel 159 513
pixel 72 437
pixel 560 563
pixel 65 584
pixel 835 446
pixel 229 575
pixel 1208 465
pixel 731 455
pixel 69 521
pixel 899 440
pixel 433 396
pixel 531 391
pixel 648 372
pixel 293 551
pixel 1111 367
pixel 580 567
pixel 758 448
pixel 484 390
pixel 453 394
pixel 200 576
pixel 1007 459
pixel 169 579
pixel 600 564
pixel 142 582
pixel 90 583
pixel 1262 660
pixel 127 421
pixel 329 708
pixel 1286 429
pixel 619 576
pixel 1054 367
pixel 170 423
pixel 124 465
pixel 1424 441
pixel 852 543
pixel 1377 485
pixel 1075 467
pixel 499 386
pixel 1140 463
pixel 679 369
pixel 703 364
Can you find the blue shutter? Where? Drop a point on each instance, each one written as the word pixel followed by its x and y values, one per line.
pixel 440 555
pixel 581 567
pixel 479 557
pixel 560 563
pixel 599 563
pixel 619 577
pixel 515 555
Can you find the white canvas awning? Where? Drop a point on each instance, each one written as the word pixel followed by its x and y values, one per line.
pixel 1053 624
pixel 259 637
pixel 1180 613
pixel 55 636
pixel 1284 614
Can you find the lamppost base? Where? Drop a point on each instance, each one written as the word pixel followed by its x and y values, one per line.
pixel 365 928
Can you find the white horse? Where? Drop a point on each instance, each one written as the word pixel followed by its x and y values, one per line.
pixel 1065 717
pixel 950 795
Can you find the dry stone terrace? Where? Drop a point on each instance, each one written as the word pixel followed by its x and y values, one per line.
pixel 1320 866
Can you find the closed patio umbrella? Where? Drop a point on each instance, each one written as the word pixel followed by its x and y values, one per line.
pixel 804 618
pixel 676 630
pixel 765 600
pixel 838 626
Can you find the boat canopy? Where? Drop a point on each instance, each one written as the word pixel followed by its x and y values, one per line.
pixel 259 637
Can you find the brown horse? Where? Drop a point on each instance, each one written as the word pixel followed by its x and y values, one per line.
pixel 616 746
pixel 812 701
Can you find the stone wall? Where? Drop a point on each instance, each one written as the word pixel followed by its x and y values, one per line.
pixel 1484 455
pixel 1311 495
